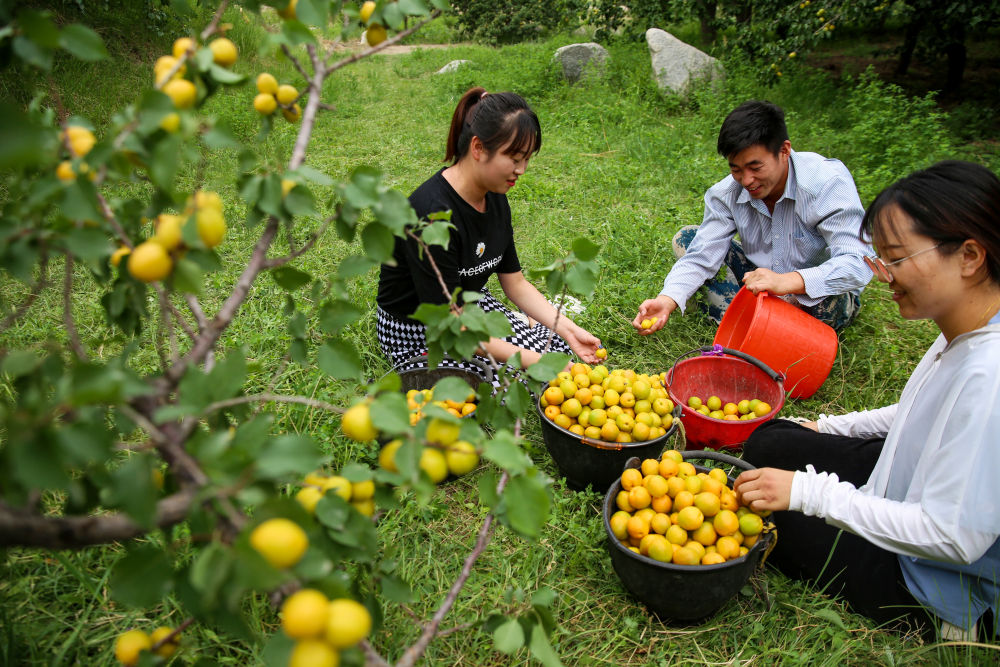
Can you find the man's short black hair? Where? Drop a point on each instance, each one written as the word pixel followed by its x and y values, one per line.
pixel 752 123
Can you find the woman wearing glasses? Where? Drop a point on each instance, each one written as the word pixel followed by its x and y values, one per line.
pixel 913 485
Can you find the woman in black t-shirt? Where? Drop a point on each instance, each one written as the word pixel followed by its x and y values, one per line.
pixel 492 137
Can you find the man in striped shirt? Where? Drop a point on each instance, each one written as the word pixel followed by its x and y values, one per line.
pixel 797 216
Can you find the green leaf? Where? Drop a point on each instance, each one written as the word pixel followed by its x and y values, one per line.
pixel 79 202
pixel 19 362
pixel 504 451
pixel 394 211
pixel 541 649
pixel 451 389
pixel 518 400
pixel 288 454
pixel 585 249
pixel 297 33
pixel 289 278
pixel 581 279
pixel 395 589
pixel 543 597
pixel 554 281
pixel 271 196
pixel 220 137
pixel 210 570
pixel 37 461
pixel 413 7
pixel 299 201
pixel 548 366
pixel 33 53
pixel 314 175
pixel 339 360
pixel 142 578
pixel 378 242
pixel 297 325
pixel 362 190
pixel 526 504
pixel 312 12
pixel 85 443
pixel 353 266
pixel 166 160
pixel 39 28
pixel 227 377
pixel 509 637
pixel 390 413
pixel 133 489
pixel 225 76
pixel 488 490
pixel 21 141
pixel 335 315
pixel 187 277
pixel 438 234
pixel 392 15
pixel 82 42
pixel 443 5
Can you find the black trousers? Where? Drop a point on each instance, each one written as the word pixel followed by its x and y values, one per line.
pixel 867 577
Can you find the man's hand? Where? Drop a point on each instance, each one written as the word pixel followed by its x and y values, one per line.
pixel 765 489
pixel 766 280
pixel 659 308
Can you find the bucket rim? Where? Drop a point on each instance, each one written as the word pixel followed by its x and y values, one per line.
pixel 612 446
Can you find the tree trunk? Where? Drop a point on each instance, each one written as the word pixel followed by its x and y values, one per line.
pixel 909 44
pixel 706 16
pixel 956 54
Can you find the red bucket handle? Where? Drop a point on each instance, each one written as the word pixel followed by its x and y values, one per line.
pixel 718 350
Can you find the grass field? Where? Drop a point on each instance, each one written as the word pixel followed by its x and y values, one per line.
pixel 620 164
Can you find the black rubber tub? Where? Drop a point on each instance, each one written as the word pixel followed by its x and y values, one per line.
pixel 684 593
pixel 586 462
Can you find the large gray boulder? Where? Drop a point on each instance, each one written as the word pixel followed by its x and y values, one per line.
pixel 452 66
pixel 676 64
pixel 578 59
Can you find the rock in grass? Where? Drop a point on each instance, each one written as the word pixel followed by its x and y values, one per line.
pixel 453 66
pixel 578 59
pixel 676 64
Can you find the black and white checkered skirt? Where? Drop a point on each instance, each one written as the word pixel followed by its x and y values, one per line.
pixel 404 343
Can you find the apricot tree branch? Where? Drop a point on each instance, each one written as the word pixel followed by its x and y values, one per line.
pixel 372 658
pixel 425 249
pixel 415 651
pixel 19 527
pixel 206 341
pixel 195 307
pixel 213 26
pixel 395 39
pixel 172 637
pixel 268 397
pixel 297 64
pixel 298 252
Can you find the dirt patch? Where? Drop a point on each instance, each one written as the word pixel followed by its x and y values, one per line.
pixel 394 50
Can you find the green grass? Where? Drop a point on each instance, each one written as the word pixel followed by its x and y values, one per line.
pixel 620 164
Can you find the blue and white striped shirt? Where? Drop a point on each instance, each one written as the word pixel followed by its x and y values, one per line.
pixel 813 230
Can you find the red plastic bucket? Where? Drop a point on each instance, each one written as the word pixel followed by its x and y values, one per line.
pixel 732 377
pixel 786 338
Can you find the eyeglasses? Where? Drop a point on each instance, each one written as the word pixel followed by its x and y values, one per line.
pixel 881 269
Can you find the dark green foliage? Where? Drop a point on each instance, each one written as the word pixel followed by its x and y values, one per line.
pixel 510 21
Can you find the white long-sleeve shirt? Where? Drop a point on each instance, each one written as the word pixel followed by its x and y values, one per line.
pixel 934 494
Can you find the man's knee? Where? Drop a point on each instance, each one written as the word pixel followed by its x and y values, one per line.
pixel 682 239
